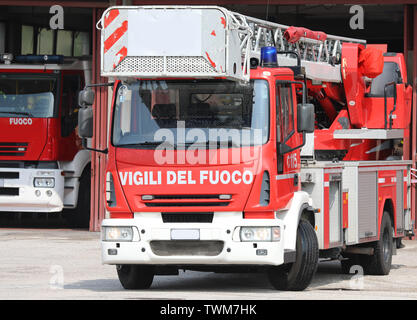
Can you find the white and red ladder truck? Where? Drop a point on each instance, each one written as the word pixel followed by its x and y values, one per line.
pixel 241 144
pixel 43 167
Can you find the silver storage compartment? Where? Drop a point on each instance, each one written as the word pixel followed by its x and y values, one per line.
pixel 367 204
pixel 400 202
pixel 335 210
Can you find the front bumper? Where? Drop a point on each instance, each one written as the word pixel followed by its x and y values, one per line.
pixel 149 229
pixel 18 194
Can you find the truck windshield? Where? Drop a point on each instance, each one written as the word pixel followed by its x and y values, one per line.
pixel 27 95
pixel 222 112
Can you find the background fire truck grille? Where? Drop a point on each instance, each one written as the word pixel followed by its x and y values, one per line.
pixel 9 175
pixel 186 247
pixel 13 149
pixel 9 191
pixel 187 217
pixel 155 64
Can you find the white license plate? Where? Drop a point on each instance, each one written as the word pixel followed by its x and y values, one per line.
pixel 185 234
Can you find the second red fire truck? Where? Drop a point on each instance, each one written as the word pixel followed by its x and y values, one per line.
pixel 43 167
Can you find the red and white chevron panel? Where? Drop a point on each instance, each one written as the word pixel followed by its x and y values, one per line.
pixel 115 38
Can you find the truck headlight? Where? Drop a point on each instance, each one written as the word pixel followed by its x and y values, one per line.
pixel 44 182
pixel 260 234
pixel 117 234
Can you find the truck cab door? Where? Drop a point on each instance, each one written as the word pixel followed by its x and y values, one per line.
pixel 286 106
pixel 288 164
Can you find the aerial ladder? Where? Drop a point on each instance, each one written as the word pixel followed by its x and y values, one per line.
pixel 318 53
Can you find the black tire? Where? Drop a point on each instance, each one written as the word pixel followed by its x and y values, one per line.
pixel 399 244
pixel 80 216
pixel 380 262
pixel 135 276
pixel 298 275
pixel 352 260
pixel 346 265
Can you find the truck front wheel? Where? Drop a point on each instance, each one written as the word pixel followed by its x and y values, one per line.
pixel 135 276
pixel 298 275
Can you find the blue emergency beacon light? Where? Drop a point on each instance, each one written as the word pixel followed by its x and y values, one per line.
pixel 269 57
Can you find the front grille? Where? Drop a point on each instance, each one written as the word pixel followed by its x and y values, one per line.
pixel 186 247
pixel 187 204
pixel 13 144
pixel 9 191
pixel 9 175
pixel 18 164
pixel 13 149
pixel 28 164
pixel 185 196
pixel 187 217
pixel 171 200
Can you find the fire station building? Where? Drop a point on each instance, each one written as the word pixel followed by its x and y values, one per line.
pixel 25 28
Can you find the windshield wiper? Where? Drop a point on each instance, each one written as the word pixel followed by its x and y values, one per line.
pixel 18 113
pixel 216 143
pixel 208 143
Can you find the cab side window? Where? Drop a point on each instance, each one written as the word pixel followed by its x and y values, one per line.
pixel 285 112
pixel 285 117
pixel 69 115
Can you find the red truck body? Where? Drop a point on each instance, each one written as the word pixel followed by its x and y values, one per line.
pixel 329 175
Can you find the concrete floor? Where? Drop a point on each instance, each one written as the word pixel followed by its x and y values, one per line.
pixel 52 264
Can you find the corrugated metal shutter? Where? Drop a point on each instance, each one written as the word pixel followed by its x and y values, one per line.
pixel 367 204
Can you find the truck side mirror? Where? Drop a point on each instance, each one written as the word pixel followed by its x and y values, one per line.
pixel 85 122
pixel 85 113
pixel 86 98
pixel 305 117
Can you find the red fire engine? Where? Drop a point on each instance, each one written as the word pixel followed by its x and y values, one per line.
pixel 241 144
pixel 43 167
